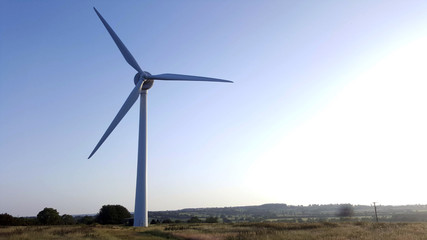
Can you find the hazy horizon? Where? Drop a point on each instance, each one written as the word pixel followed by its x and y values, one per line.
pixel 166 210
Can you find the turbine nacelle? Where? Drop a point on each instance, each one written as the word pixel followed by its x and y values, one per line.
pixel 147 84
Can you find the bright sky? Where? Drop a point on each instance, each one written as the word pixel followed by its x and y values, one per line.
pixel 328 104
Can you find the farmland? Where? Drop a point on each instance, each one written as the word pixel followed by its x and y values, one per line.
pixel 221 231
pixel 292 213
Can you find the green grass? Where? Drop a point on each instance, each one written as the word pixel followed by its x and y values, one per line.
pixel 249 231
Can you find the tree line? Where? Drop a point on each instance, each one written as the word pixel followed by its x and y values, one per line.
pixel 108 214
pixel 193 219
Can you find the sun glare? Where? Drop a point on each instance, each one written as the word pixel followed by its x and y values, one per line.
pixel 373 131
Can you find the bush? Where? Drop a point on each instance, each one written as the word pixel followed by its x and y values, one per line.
pixel 6 220
pixel 154 221
pixel 212 220
pixel 167 221
pixel 194 220
pixel 26 221
pixel 112 214
pixel 49 216
pixel 86 220
pixel 345 211
pixel 68 219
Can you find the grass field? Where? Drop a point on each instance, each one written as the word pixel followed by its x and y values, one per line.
pixel 251 231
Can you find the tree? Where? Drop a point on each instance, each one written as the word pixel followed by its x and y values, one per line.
pixel 155 221
pixel 226 220
pixel 86 220
pixel 345 211
pixel 212 220
pixel 6 220
pixel 112 214
pixel 25 221
pixel 194 220
pixel 49 216
pixel 67 219
pixel 167 221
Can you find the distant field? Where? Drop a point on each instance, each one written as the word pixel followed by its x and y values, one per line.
pixel 251 231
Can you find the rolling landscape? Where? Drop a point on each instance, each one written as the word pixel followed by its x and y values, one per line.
pixel 295 214
pixel 268 221
pixel 258 120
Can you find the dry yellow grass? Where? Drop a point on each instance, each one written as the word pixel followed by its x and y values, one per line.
pixel 249 231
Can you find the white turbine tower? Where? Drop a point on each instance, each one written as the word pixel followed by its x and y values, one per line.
pixel 143 81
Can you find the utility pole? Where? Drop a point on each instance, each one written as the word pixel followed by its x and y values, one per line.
pixel 376 215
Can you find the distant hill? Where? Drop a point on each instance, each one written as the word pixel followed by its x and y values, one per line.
pixel 292 213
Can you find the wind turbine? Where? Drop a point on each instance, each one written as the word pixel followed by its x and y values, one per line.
pixel 143 81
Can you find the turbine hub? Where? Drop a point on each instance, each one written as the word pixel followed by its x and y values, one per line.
pixel 147 84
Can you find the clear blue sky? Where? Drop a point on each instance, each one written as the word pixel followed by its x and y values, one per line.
pixel 328 104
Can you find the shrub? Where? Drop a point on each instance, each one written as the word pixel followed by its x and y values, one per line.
pixel 212 220
pixel 86 220
pixel 6 220
pixel 112 214
pixel 194 220
pixel 167 221
pixel 67 219
pixel 49 216
pixel 155 221
pixel 345 211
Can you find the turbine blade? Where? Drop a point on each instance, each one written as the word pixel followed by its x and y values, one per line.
pixel 133 96
pixel 125 52
pixel 180 77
